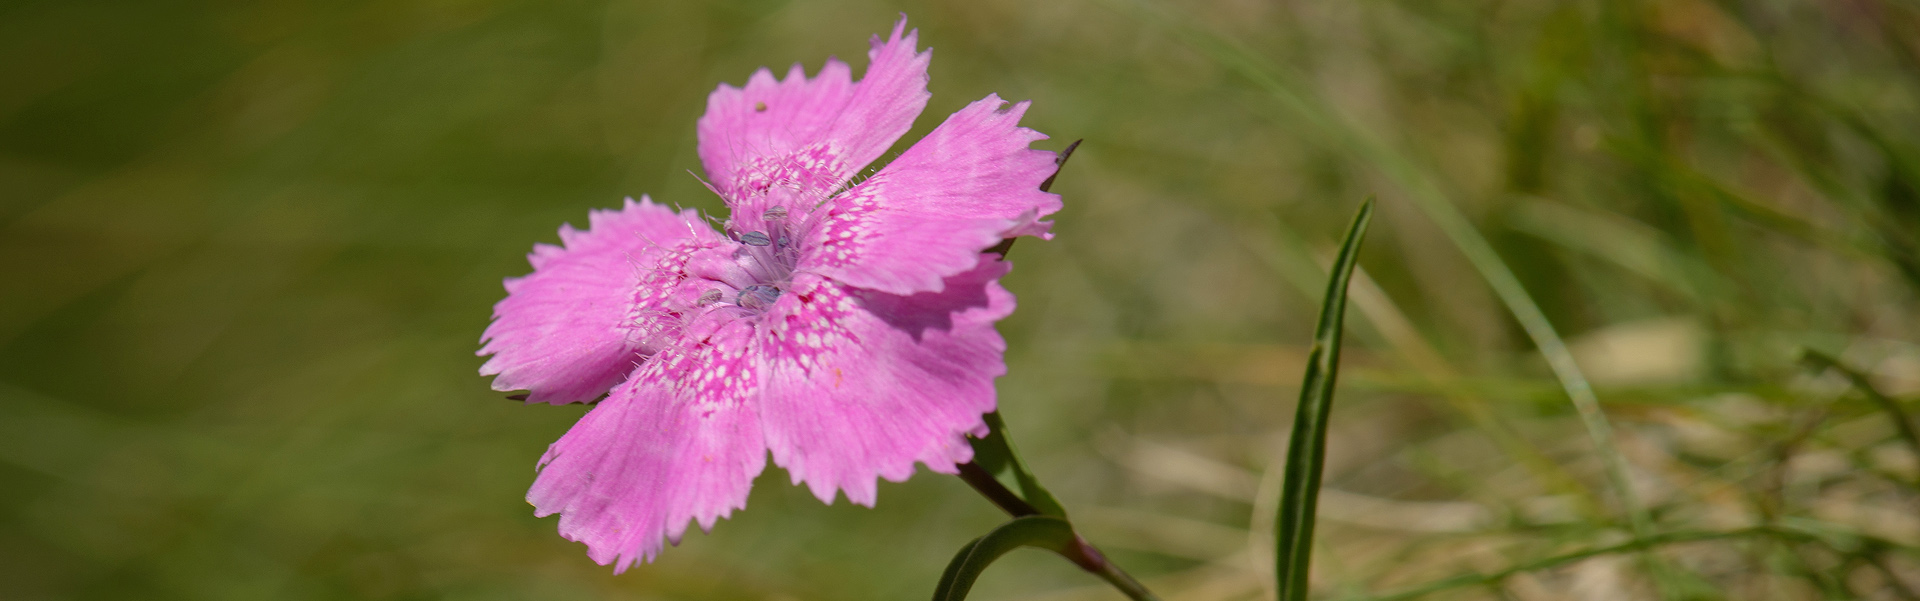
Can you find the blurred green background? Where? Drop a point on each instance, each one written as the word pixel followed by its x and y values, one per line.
pixel 248 248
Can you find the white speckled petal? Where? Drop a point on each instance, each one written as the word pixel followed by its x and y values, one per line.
pixel 862 384
pixel 679 442
pixel 929 213
pixel 566 332
pixel 800 138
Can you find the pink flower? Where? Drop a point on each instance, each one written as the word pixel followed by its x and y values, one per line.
pixel 845 326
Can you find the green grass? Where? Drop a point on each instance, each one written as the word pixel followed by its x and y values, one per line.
pixel 248 250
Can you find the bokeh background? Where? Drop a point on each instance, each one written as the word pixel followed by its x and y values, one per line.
pixel 248 248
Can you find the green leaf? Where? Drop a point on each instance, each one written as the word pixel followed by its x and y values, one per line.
pixel 1306 452
pixel 995 455
pixel 942 590
pixel 1044 532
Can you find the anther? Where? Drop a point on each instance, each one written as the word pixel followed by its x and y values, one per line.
pixel 775 214
pixel 755 239
pixel 758 296
pixel 709 297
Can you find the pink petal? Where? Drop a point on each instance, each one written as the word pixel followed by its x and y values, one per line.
pixel 863 384
pixel 802 138
pixel 929 213
pixel 679 441
pixel 566 332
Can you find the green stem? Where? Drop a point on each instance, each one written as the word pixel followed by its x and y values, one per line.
pixel 1092 560
pixel 994 491
pixel 1081 553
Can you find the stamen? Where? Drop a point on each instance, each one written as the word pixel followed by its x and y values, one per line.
pixel 755 239
pixel 775 214
pixel 758 296
pixel 711 296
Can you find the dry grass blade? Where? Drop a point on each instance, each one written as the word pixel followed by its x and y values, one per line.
pixel 1321 117
pixel 1860 381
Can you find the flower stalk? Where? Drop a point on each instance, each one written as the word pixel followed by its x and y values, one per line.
pixel 1080 552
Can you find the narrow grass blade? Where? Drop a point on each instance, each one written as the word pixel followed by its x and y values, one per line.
pixel 1319 118
pixel 1860 381
pixel 1634 546
pixel 1045 532
pixel 1286 253
pixel 995 455
pixel 1306 452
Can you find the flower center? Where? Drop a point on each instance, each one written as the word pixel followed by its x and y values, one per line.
pixel 761 267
